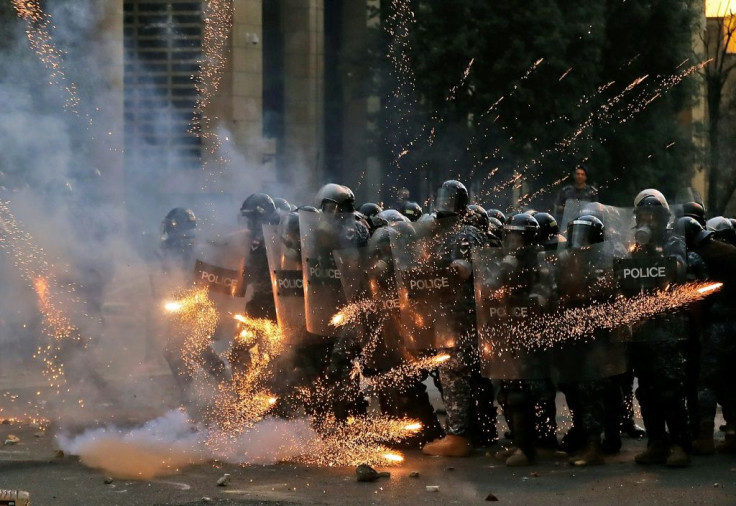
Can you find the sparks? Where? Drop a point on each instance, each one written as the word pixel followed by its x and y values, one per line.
pixel 393 457
pixel 173 307
pixel 710 288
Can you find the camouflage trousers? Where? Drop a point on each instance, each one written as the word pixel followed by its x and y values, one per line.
pixel 717 381
pixel 660 369
pixel 526 405
pixel 456 389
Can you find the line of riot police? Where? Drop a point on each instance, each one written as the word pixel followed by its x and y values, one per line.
pixel 470 287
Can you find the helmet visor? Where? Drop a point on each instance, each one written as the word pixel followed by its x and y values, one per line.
pixel 578 234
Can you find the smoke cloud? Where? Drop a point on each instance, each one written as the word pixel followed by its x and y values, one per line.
pixel 89 225
pixel 164 445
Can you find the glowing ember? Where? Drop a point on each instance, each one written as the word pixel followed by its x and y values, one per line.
pixel 393 457
pixel 710 288
pixel 414 427
pixel 441 358
pixel 337 320
pixel 173 307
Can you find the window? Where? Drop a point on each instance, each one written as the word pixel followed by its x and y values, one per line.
pixel 163 48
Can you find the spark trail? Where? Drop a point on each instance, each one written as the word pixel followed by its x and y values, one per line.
pixel 38 32
pixel 218 23
pixel 547 331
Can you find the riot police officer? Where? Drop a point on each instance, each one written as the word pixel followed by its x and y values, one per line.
pixel 467 396
pixel 718 350
pixel 176 254
pixel 177 240
pixel 656 352
pixel 524 283
pixel 257 210
pixel 583 275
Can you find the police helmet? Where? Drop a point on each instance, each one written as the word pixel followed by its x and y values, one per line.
pixel 694 210
pixel 477 217
pixel 369 209
pixel 651 192
pixel 693 232
pixel 259 207
pixel 719 224
pixel 282 204
pixel 388 217
pixel 411 210
pixel 178 222
pixel 723 228
pixel 452 199
pixel 495 213
pixel 289 230
pixel 495 227
pixel 548 228
pixel 584 231
pixel 521 232
pixel 336 198
pixel 652 203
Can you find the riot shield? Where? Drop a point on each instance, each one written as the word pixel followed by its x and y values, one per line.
pixel 368 281
pixel 648 268
pixel 353 264
pixel 503 305
pixel 321 234
pixel 426 287
pixel 219 266
pixel 584 279
pixel 645 274
pixel 285 268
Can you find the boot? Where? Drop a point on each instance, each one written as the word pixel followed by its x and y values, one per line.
pixel 634 431
pixel 611 444
pixel 677 457
pixel 729 444
pixel 574 440
pixel 656 453
pixel 703 444
pixel 449 446
pixel 518 459
pixel 592 456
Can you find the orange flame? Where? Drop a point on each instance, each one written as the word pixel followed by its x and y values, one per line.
pixel 393 457
pixel 710 288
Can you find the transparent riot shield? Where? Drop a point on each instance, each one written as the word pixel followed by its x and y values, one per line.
pixel 220 266
pixel 353 264
pixel 285 267
pixel 321 234
pixel 653 265
pixel 584 282
pixel 370 287
pixel 508 296
pixel 426 288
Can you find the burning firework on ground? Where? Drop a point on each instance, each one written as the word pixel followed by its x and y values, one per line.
pixel 358 440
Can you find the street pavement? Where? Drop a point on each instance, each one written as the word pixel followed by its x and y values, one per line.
pixel 31 461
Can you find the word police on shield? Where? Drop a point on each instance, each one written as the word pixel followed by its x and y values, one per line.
pixel 219 279
pixel 647 273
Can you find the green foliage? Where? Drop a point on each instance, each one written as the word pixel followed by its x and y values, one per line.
pixel 513 114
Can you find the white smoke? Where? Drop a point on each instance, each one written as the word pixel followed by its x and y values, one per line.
pixel 164 445
pixel 97 223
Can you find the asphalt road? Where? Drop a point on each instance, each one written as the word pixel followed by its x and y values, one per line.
pixel 33 464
